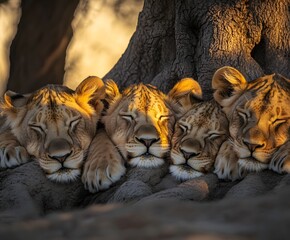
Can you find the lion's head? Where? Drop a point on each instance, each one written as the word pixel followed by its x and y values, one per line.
pixel 258 114
pixel 56 124
pixel 197 137
pixel 140 120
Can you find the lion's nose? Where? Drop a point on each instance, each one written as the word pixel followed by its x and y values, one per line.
pixel 190 148
pixel 59 149
pixel 147 141
pixel 253 146
pixel 147 135
pixel 188 155
pixel 254 139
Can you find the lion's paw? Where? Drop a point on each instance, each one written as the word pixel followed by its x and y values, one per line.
pixel 280 161
pixel 12 156
pixel 226 163
pixel 100 174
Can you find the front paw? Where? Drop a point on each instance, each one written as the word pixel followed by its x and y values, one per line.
pixel 13 156
pixel 100 174
pixel 280 161
pixel 226 163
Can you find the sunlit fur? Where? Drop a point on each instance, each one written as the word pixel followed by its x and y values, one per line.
pixel 55 125
pixel 259 119
pixel 104 164
pixel 139 123
pixel 140 113
pixel 197 138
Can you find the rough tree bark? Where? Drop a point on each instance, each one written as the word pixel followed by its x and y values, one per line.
pixel 38 51
pixel 176 39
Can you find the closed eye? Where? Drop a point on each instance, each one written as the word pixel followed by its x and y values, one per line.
pixel 214 136
pixel 127 117
pixel 74 123
pixel 278 121
pixel 37 128
pixel 184 128
pixel 243 115
pixel 164 117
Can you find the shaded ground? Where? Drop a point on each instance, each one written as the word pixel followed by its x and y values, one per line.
pixel 144 204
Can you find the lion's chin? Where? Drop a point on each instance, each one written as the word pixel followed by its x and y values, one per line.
pixel 64 175
pixel 184 172
pixel 251 164
pixel 146 161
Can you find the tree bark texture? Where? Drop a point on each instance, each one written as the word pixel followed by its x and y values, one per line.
pixel 173 39
pixel 193 38
pixel 38 51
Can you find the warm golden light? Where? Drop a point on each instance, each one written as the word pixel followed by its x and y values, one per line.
pixel 9 16
pixel 100 38
pixel 101 35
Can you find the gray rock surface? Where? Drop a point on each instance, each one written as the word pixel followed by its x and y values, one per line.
pixel 144 204
pixel 26 193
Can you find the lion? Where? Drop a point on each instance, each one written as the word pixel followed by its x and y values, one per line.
pixel 139 122
pixel 259 123
pixel 53 125
pixel 197 138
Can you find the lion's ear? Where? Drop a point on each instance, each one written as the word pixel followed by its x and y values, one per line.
pixel 112 91
pixel 186 92
pixel 91 89
pixel 12 102
pixel 13 99
pixel 228 83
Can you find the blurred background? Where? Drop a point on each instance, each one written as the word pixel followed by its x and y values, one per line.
pixel 101 31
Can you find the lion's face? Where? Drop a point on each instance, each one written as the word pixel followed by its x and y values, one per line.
pixel 258 113
pixel 259 125
pixel 140 122
pixel 56 125
pixel 197 138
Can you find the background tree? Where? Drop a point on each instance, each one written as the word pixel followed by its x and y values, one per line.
pixel 101 32
pixel 44 41
pixel 173 39
pixel 176 39
pixel 37 55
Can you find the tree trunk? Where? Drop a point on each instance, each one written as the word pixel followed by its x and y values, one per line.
pixel 193 38
pixel 38 51
pixel 173 39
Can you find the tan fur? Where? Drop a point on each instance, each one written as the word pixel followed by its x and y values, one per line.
pixel 104 164
pixel 197 138
pixel 259 120
pixel 55 125
pixel 139 122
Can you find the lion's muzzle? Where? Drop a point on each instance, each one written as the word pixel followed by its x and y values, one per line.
pixel 59 149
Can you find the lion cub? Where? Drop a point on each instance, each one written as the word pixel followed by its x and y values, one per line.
pixel 139 122
pixel 198 135
pixel 54 125
pixel 259 123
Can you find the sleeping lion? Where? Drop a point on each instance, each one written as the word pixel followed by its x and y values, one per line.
pixel 259 123
pixel 53 125
pixel 139 122
pixel 197 138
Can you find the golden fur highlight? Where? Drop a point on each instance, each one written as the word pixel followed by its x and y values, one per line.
pixel 259 121
pixel 196 141
pixel 139 122
pixel 54 125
